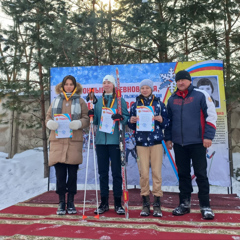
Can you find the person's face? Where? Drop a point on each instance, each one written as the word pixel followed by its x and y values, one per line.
pixel 145 91
pixel 206 88
pixel 108 86
pixel 68 86
pixel 183 84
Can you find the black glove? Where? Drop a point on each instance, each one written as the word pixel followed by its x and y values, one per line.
pixel 94 98
pixel 91 113
pixel 117 117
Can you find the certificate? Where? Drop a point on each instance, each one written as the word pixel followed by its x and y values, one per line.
pixel 63 130
pixel 145 118
pixel 106 123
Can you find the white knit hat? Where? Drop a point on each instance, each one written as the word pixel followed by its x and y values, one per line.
pixel 146 82
pixel 110 78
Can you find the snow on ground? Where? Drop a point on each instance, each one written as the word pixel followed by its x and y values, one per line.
pixel 22 178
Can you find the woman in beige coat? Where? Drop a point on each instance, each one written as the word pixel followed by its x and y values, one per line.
pixel 66 153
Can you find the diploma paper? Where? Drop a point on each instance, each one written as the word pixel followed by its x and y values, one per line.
pixel 145 118
pixel 107 124
pixel 63 121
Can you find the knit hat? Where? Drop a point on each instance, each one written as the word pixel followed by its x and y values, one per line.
pixel 110 78
pixel 146 82
pixel 183 75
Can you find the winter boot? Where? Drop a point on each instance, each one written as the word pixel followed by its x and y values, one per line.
pixel 70 204
pixel 157 207
pixel 103 206
pixel 146 206
pixel 62 205
pixel 207 213
pixel 183 208
pixel 118 206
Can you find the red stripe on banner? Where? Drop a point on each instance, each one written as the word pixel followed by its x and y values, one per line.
pixel 205 69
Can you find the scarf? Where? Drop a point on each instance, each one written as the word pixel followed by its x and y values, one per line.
pixel 75 106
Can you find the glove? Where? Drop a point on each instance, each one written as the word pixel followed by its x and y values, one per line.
pixel 75 124
pixel 52 125
pixel 117 117
pixel 94 98
pixel 91 113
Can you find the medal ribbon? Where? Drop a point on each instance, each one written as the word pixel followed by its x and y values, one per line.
pixel 65 95
pixel 150 102
pixel 111 105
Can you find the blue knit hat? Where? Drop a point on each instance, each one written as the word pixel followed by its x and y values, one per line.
pixel 146 82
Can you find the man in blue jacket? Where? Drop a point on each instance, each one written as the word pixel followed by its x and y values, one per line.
pixel 191 130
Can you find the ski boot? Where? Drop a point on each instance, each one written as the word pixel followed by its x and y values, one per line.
pixel 103 206
pixel 118 206
pixel 157 207
pixel 146 206
pixel 70 204
pixel 207 213
pixel 62 205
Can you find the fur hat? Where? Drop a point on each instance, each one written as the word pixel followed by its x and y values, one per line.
pixel 110 78
pixel 183 75
pixel 146 82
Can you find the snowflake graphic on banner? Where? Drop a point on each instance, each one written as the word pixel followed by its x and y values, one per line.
pixel 168 80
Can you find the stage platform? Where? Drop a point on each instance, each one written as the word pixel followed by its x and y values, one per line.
pixel 37 219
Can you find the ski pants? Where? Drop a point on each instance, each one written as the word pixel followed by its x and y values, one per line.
pixel 66 175
pixel 183 156
pixel 152 154
pixel 104 154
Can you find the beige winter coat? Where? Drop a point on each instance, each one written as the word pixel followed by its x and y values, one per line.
pixel 68 150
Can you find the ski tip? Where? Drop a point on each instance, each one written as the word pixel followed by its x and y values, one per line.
pixel 84 217
pixel 97 216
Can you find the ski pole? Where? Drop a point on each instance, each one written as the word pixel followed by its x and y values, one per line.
pixel 91 131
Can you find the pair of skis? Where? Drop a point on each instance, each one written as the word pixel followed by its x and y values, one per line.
pixel 91 132
pixel 122 149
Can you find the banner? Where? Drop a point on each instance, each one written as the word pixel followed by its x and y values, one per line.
pixel 207 75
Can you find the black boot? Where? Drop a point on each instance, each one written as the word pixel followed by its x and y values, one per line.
pixel 118 206
pixel 205 208
pixel 70 204
pixel 183 208
pixel 103 206
pixel 62 205
pixel 146 206
pixel 157 207
pixel 207 213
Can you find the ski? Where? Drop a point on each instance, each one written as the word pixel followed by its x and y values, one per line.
pixel 170 159
pixel 122 149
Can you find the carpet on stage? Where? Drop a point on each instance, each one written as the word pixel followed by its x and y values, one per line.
pixel 37 219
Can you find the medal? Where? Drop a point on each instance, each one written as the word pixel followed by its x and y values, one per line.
pixel 67 104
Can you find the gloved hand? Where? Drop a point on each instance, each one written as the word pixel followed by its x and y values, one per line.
pixel 117 117
pixel 91 113
pixel 75 124
pixel 52 125
pixel 94 98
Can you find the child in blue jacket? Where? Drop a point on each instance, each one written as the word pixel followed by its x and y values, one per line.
pixel 149 146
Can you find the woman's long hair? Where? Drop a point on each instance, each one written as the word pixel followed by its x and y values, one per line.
pixel 105 100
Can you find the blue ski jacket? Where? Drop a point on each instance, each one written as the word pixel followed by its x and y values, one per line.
pixel 192 118
pixel 155 137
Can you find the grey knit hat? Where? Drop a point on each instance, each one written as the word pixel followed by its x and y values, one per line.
pixel 183 75
pixel 146 82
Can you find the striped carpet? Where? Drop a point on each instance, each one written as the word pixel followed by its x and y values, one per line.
pixel 37 219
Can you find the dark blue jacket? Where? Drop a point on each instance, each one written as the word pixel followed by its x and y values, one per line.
pixel 192 119
pixel 150 138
